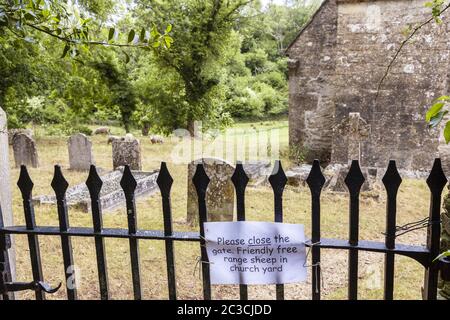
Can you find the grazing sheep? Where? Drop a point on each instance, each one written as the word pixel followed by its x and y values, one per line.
pixel 102 130
pixel 156 139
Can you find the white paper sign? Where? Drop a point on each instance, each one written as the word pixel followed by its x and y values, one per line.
pixel 255 252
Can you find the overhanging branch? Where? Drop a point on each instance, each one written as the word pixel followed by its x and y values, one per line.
pixel 75 41
pixel 404 42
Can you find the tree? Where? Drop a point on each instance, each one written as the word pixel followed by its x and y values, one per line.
pixel 202 30
pixel 70 24
pixel 121 89
pixel 28 26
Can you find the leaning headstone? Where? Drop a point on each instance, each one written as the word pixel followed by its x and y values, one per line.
pixel 5 187
pixel 111 194
pixel 258 172
pixel 220 192
pixel 297 175
pixel 25 151
pixel 127 151
pixel 335 178
pixel 80 152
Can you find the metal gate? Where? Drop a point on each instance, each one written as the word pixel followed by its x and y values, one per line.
pixel 354 181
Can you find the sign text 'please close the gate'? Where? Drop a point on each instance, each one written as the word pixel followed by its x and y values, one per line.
pixel 255 252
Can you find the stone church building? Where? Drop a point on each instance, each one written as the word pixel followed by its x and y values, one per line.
pixel 335 65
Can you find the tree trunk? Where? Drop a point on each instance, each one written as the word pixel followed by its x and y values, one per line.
pixel 191 127
pixel 126 122
pixel 145 129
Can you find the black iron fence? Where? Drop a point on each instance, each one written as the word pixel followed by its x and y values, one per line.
pixel 354 181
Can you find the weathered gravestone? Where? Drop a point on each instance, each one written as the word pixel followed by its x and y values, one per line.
pixel 127 151
pixel 6 217
pixel 80 152
pixel 25 151
pixel 111 195
pixel 220 192
pixel 355 129
pixel 13 132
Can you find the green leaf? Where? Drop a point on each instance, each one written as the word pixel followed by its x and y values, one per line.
pixel 79 61
pixel 443 98
pixel 443 254
pixel 168 40
pixel 29 15
pixel 435 108
pixel 66 49
pixel 154 32
pixel 169 28
pixel 111 33
pixel 142 35
pixel 447 132
pixel 86 21
pixel 127 57
pixel 435 120
pixel 131 36
pixel 46 13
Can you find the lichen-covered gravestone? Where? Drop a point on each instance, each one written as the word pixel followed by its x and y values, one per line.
pixel 80 152
pixel 220 192
pixel 25 151
pixel 127 151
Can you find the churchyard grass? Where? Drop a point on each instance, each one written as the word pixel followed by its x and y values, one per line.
pixel 413 201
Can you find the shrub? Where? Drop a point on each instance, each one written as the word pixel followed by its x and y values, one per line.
pixel 54 129
pixel 274 101
pixel 274 79
pixel 297 154
pixel 82 129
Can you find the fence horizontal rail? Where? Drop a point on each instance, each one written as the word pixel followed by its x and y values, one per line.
pixel 419 253
pixel 105 233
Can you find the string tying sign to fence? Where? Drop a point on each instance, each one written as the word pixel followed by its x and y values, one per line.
pixel 247 252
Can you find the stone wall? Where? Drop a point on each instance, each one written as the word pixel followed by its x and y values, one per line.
pixel 311 68
pixel 444 148
pixel 367 35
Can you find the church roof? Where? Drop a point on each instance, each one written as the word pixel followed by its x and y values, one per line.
pixel 324 2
